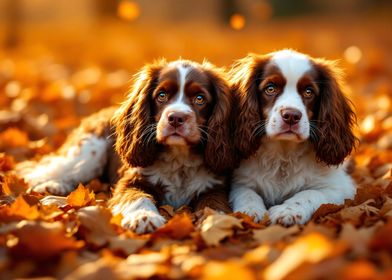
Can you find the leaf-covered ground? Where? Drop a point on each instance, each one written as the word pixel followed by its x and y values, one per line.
pixel 43 96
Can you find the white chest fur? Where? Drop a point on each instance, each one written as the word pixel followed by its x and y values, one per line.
pixel 280 169
pixel 183 174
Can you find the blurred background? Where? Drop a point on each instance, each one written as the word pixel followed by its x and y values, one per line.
pixel 61 60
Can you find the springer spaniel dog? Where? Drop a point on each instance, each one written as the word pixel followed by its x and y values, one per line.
pixel 293 130
pixel 171 135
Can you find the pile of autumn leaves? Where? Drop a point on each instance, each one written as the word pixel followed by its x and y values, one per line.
pixel 76 237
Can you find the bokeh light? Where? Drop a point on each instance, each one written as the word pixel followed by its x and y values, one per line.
pixel 128 10
pixel 353 54
pixel 237 21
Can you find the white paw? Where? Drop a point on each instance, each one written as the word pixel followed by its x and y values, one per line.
pixel 256 212
pixel 288 214
pixel 53 187
pixel 142 221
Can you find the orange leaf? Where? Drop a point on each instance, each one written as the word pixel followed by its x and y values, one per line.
pixel 80 197
pixel 12 185
pixel 41 239
pixel 179 227
pixel 6 162
pixel 19 210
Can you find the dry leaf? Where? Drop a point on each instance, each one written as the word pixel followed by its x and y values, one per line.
pixel 18 210
pixel 274 233
pixel 216 227
pixel 96 223
pixel 309 248
pixel 229 270
pixel 41 239
pixel 59 201
pixel 7 163
pixel 80 197
pixel 179 227
pixel 126 244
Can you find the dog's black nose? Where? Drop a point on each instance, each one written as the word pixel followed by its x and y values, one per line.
pixel 291 116
pixel 177 119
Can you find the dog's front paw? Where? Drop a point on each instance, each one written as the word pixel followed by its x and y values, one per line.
pixel 53 187
pixel 256 212
pixel 288 214
pixel 143 221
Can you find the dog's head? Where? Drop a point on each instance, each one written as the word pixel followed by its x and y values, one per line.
pixel 181 103
pixel 288 96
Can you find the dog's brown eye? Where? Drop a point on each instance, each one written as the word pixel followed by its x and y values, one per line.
pixel 162 96
pixel 308 93
pixel 199 100
pixel 270 89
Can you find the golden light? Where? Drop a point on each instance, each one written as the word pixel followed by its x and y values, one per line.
pixel 383 102
pixel 310 248
pixel 128 10
pixel 353 54
pixel 368 124
pixel 237 21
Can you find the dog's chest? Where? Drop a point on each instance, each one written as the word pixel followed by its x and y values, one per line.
pixel 276 175
pixel 183 178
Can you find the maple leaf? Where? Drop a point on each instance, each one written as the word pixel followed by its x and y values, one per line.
pixel 18 210
pixel 80 197
pixel 216 227
pixel 12 185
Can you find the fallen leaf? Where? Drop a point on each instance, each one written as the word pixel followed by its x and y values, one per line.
pixel 18 210
pixel 7 163
pixel 80 197
pixel 309 248
pixel 12 185
pixel 126 244
pixel 59 201
pixel 357 239
pixel 41 240
pixel 144 266
pixel 355 214
pixel 229 270
pixel 95 221
pixel 216 227
pixel 179 227
pixel 274 233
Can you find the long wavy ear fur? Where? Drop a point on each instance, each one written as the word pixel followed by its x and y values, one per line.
pixel 244 78
pixel 335 117
pixel 218 153
pixel 134 118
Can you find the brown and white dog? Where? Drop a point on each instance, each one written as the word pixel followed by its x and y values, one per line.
pixel 294 129
pixel 172 136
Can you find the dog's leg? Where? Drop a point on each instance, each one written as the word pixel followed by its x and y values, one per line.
pixel 81 158
pixel 60 173
pixel 300 207
pixel 133 201
pixel 245 200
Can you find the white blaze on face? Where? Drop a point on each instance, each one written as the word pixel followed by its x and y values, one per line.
pixel 293 66
pixel 179 105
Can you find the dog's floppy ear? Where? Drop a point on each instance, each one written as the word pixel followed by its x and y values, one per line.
pixel 335 118
pixel 133 121
pixel 218 153
pixel 245 77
